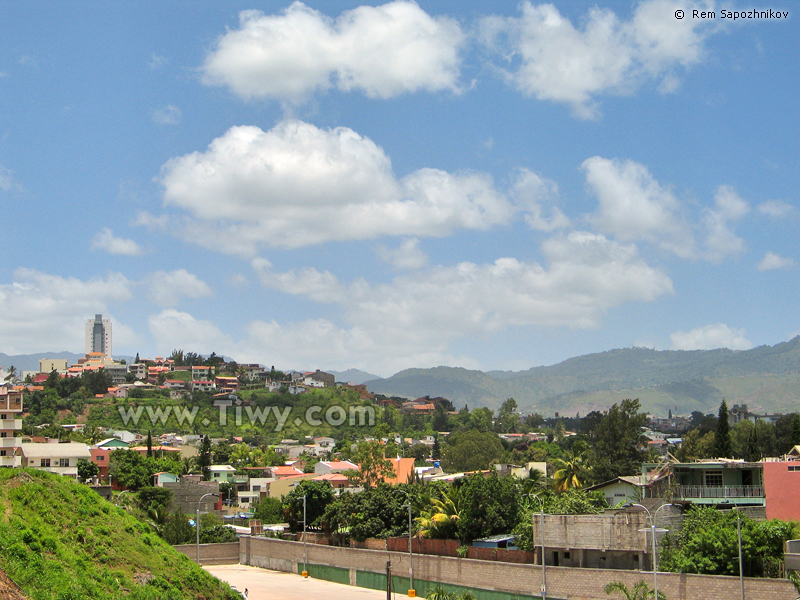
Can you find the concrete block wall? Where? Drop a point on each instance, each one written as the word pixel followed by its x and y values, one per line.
pixel 212 554
pixel 505 579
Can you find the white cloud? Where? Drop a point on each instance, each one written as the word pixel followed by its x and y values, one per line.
pixel 538 196
pixel 6 179
pixel 238 281
pixel 298 185
pixel 174 329
pixel 41 312
pixel 150 221
pixel 776 208
pixel 407 256
pixel 168 115
pixel 710 337
pixel 167 288
pixel 721 242
pixel 105 240
pixel 562 63
pixel 156 61
pixel 587 275
pixel 635 207
pixel 383 51
pixel 772 261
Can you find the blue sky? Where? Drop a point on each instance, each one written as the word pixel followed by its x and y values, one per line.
pixel 493 185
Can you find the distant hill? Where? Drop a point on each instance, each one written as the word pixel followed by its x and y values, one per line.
pixel 766 378
pixel 30 362
pixel 353 376
pixel 61 540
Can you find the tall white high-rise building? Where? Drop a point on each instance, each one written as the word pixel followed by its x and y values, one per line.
pixel 98 335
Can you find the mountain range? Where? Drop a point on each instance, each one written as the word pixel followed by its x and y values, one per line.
pixel 766 378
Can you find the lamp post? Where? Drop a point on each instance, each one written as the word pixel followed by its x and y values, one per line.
pixel 739 535
pixel 305 559
pixel 544 561
pixel 197 523
pixel 412 593
pixel 120 496
pixel 655 549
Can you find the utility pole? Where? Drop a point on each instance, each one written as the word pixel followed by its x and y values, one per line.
pixel 388 580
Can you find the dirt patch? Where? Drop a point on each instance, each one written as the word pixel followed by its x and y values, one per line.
pixel 10 590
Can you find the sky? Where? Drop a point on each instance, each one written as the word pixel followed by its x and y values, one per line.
pixel 381 186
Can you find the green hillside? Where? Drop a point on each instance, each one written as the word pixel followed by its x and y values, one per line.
pixel 766 378
pixel 61 541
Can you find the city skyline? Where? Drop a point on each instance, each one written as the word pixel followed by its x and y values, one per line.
pixel 390 185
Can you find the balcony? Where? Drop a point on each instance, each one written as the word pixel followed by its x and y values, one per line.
pixel 727 492
pixel 8 424
pixel 9 442
pixel 10 461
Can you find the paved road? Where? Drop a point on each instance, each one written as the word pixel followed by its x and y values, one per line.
pixel 263 584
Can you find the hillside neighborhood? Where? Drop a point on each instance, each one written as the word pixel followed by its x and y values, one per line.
pixel 557 492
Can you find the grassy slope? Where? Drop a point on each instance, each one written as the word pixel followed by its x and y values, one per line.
pixel 59 540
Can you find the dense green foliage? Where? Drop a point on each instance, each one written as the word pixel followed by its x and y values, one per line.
pixel 60 540
pixel 722 438
pixel 269 511
pixel 471 450
pixel 375 512
pixel 708 543
pixel 318 495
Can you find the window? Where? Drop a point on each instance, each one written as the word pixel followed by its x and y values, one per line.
pixel 2 453
pixel 3 434
pixel 45 462
pixel 63 462
pixel 100 457
pixel 794 467
pixel 256 488
pixel 713 478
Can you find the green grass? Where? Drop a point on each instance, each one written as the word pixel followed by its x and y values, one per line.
pixel 59 540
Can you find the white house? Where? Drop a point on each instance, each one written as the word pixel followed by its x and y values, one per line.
pixel 56 458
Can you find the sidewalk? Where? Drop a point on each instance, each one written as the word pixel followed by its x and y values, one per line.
pixel 263 584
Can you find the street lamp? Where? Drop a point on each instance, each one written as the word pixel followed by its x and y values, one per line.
pixel 411 592
pixel 305 563
pixel 120 496
pixel 655 550
pixel 739 534
pixel 544 569
pixel 197 522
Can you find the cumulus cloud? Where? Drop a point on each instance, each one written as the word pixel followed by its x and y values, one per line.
pixel 587 275
pixel 606 55
pixel 772 262
pixel 6 179
pixel 47 312
pixel 168 115
pixel 174 329
pixel 721 241
pixel 776 208
pixel 298 185
pixel 710 337
pixel 383 51
pixel 539 197
pixel 106 241
pixel 167 288
pixel 635 207
pixel 407 256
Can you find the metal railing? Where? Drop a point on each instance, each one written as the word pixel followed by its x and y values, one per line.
pixel 727 491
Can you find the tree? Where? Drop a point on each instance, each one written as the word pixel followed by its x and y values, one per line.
pixel 572 471
pixel 440 518
pixel 177 530
pixel 722 440
pixel 204 457
pixel 217 534
pixel 640 591
pixel 472 451
pixel 489 505
pixel 149 444
pixel 318 495
pixel 376 512
pixel 619 444
pixel 12 374
pixel 269 510
pixel 87 470
pixel 373 467
pixel 507 418
pixel 151 498
pixel 753 452
pixel 128 469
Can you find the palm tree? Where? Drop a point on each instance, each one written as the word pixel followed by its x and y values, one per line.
pixel 640 591
pixel 440 518
pixel 158 518
pixel 12 374
pixel 571 471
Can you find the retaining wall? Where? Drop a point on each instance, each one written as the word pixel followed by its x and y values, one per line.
pixel 494 580
pixel 212 554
